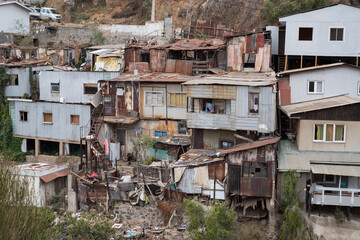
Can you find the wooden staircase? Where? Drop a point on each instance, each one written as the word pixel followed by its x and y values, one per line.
pixel 97 120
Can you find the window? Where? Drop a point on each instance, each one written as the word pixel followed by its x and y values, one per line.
pixel 178 99
pixel 55 87
pixel 14 80
pixel 329 132
pixel 23 116
pixel 48 118
pixel 154 98
pixel 305 34
pixel 324 178
pixel 90 88
pixel 336 34
pixel 120 91
pixel 315 86
pixel 226 144
pixel 253 102
pixel 182 128
pixel 255 169
pixel 159 133
pixel 74 119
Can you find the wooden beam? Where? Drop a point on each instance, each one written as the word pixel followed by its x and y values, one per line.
pixel 286 60
pixel 243 138
pixel 301 61
pixel 357 61
pixel 315 60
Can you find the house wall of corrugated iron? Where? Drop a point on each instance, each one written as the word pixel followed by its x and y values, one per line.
pixel 239 116
pixel 158 60
pixel 252 186
pixel 164 110
pixel 212 138
pixel 211 91
pixel 149 126
pixel 251 44
pixel 60 128
pixel 71 85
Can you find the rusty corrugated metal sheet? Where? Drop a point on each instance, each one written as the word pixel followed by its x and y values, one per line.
pixel 193 44
pixel 284 91
pixel 158 60
pixel 260 38
pixel 255 187
pixel 154 77
pixel 170 66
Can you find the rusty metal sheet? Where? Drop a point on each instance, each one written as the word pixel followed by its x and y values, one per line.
pixel 180 66
pixel 234 176
pixel 260 38
pixel 49 177
pixel 248 44
pixel 188 67
pixel 255 187
pixel 220 170
pixel 170 66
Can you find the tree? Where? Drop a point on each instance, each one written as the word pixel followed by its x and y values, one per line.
pixel 214 224
pixel 97 37
pixel 294 224
pixel 274 9
pixel 18 218
pixel 142 143
pixel 10 147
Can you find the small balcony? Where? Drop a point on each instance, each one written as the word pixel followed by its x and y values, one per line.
pixel 333 196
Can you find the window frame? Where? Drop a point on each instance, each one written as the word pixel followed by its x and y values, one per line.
pixel 162 131
pixel 44 118
pixel 54 84
pixel 247 165
pixel 182 95
pixel 151 104
pixel 226 141
pixel 22 119
pixel 315 87
pixel 90 85
pixel 324 133
pixel 312 34
pixel 14 80
pixel 337 27
pixel 78 119
pixel 249 103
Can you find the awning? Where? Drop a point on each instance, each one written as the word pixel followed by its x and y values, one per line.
pixel 49 177
pixel 332 169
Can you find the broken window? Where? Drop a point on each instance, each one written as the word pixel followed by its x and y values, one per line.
pixel 153 98
pixel 336 34
pixel 315 86
pixel 90 88
pixel 14 80
pixel 23 116
pixel 74 119
pixel 305 34
pixel 329 132
pixel 253 102
pixel 47 118
pixel 55 87
pixel 255 169
pixel 226 144
pixel 159 133
pixel 178 99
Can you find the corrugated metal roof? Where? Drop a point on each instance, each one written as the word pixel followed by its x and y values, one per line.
pixel 51 176
pixel 14 2
pixel 154 77
pixel 25 63
pixel 316 68
pixel 198 157
pixel 247 146
pixel 123 120
pixel 180 140
pixel 318 104
pixel 335 169
pixel 237 79
pixel 193 44
pixel 115 46
pixel 289 157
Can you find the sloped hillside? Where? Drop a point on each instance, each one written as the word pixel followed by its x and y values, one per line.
pixel 236 14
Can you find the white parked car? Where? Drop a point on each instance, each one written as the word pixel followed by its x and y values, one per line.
pixel 35 13
pixel 50 13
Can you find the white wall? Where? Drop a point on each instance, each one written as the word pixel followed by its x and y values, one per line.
pixel 337 80
pixel 10 14
pixel 321 20
pixel 149 29
pixel 274 39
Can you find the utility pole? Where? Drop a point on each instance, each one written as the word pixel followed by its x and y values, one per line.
pixel 153 11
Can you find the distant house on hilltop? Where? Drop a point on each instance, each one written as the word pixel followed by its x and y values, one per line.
pixel 14 17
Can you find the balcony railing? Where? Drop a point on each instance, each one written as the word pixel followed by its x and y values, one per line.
pixel 321 195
